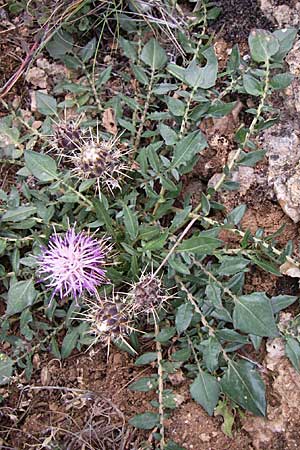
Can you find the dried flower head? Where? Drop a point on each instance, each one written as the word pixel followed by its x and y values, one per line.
pixel 90 157
pixel 108 319
pixel 66 136
pixel 148 294
pixel 73 263
pixel 101 160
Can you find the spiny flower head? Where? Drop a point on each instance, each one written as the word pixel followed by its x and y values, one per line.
pixel 102 160
pixel 147 294
pixel 107 318
pixel 90 157
pixel 67 135
pixel 73 263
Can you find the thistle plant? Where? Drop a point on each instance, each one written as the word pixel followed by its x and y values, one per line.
pixel 73 264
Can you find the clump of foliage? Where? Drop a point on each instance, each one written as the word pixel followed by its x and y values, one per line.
pixel 169 273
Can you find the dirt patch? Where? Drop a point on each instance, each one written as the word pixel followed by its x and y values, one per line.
pixel 82 401
pixel 192 428
pixel 238 18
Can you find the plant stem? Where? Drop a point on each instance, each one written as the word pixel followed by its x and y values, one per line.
pixel 187 110
pixel 211 330
pixel 160 386
pixel 248 134
pixel 79 194
pixel 172 250
pixel 143 118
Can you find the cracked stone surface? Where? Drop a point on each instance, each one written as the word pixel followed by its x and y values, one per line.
pixel 284 15
pixel 283 150
pixel 283 144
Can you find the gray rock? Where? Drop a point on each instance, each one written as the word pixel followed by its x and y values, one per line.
pixel 283 150
pixel 282 15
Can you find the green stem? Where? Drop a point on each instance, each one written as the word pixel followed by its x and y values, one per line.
pixel 143 118
pixel 248 134
pixel 160 386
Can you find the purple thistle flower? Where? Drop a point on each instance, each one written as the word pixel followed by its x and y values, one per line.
pixel 73 263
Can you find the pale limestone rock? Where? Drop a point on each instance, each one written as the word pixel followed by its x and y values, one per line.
pixel 283 151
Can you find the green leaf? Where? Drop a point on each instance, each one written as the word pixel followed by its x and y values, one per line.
pixel 46 104
pixel 176 71
pixel 251 85
pixel 173 446
pixel 165 334
pixel 168 134
pixel 6 368
pixel 176 106
pixel 183 354
pixel 140 74
pixel 203 77
pixel 128 48
pixel 41 166
pixel 2 245
pixel 205 390
pixel 20 295
pixel 281 80
pixel 69 342
pixel 127 125
pixel 266 265
pixel 230 265
pixel 60 44
pixel 236 215
pixel 251 158
pixel 184 316
pixel 164 88
pixel 187 148
pixel 104 76
pixel 201 245
pixel 223 410
pixel 18 214
pixel 211 351
pixel 131 222
pixel 88 50
pixel 156 244
pixel 281 302
pixel 154 55
pixel 234 60
pixel 256 341
pixel 292 350
pixel 179 266
pixel 213 294
pixel 180 217
pixel 55 348
pixel 286 38
pixel 103 215
pixel 144 384
pixel 253 314
pixel 146 358
pixel 263 45
pixel 205 204
pixel 220 109
pixel 245 387
pixel 145 421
